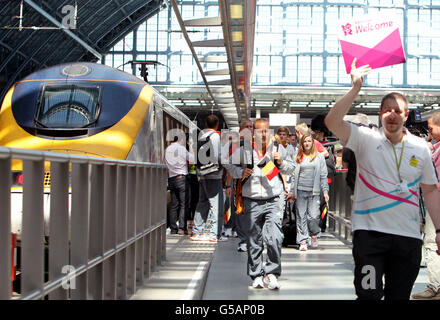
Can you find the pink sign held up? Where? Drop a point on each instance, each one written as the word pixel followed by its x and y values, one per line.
pixel 373 39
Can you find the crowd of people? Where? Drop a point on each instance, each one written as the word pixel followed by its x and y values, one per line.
pixel 264 175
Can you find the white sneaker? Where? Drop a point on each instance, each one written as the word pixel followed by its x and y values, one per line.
pixel 198 237
pixel 258 283
pixel 315 242
pixel 303 246
pixel 228 232
pixel 271 281
pixel 234 234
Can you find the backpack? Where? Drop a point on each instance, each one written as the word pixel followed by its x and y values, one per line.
pixel 205 166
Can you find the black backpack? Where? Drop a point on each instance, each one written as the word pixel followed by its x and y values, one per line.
pixel 204 165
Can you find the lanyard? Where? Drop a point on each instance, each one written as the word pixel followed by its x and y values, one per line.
pixel 400 160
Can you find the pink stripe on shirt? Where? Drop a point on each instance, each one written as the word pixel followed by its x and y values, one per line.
pixel 436 157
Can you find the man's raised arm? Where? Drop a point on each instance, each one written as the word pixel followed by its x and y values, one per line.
pixel 334 119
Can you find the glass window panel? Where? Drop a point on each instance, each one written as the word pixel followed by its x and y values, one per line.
pixel 304 69
pixel 435 73
pixel 276 69
pixel 162 43
pixel 344 78
pixel 291 69
pixel 317 69
pixel 331 74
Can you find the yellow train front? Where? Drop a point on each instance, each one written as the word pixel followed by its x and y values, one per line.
pixel 85 109
pixel 82 108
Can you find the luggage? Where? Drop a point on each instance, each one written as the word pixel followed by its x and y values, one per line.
pixel 289 225
pixel 204 165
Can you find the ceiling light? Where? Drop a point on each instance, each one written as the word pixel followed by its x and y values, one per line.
pixel 236 11
pixel 237 36
pixel 239 67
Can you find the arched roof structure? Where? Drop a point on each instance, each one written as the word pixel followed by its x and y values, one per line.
pixel 35 34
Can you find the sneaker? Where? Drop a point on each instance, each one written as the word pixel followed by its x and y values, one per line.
pixel 197 237
pixel 181 232
pixel 258 283
pixel 303 246
pixel 315 242
pixel 270 280
pixel 427 294
pixel 221 239
pixel 173 232
pixel 228 232
pixel 242 248
pixel 234 234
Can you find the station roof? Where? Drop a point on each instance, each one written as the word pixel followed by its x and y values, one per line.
pixel 35 34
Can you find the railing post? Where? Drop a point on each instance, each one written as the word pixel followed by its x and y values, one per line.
pixel 140 193
pixel 59 226
pixel 32 247
pixel 150 185
pixel 131 231
pixel 96 236
pixel 121 232
pixel 5 229
pixel 80 227
pixel 109 265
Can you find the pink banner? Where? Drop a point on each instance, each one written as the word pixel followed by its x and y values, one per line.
pixel 372 39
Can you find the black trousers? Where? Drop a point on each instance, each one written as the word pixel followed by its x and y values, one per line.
pixel 193 197
pixel 178 187
pixel 378 254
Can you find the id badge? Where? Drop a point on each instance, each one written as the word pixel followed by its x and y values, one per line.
pixel 402 187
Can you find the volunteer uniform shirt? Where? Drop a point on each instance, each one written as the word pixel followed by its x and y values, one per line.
pixel 378 205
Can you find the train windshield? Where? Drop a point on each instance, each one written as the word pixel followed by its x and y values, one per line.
pixel 68 106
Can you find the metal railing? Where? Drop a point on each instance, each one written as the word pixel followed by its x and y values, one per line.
pixel 107 226
pixel 340 206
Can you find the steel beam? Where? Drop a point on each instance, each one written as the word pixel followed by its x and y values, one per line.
pixel 68 32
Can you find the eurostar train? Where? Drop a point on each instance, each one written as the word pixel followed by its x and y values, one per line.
pixel 85 109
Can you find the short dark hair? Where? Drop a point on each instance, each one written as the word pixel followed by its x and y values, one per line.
pixel 211 121
pixel 394 96
pixel 283 129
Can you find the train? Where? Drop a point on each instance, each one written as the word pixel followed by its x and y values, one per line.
pixel 85 109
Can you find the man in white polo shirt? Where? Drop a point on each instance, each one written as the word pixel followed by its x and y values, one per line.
pixel 391 166
pixel 176 158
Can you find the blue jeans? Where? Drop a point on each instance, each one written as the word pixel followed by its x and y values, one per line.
pixel 209 212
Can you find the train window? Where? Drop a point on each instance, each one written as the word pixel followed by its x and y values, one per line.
pixel 68 106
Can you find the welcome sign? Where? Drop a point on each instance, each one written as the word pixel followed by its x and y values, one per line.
pixel 373 39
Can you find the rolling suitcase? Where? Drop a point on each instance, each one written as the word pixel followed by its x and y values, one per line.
pixel 289 225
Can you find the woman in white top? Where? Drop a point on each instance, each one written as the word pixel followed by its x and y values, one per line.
pixel 309 179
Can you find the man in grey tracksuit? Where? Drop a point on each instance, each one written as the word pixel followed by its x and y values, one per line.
pixel 262 206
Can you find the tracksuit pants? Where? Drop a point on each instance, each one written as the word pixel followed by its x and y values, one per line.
pixel 307 215
pixel 433 262
pixel 262 225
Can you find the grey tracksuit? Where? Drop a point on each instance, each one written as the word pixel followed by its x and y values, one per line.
pixel 307 202
pixel 262 211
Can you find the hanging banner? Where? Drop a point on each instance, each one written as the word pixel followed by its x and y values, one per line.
pixel 373 39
